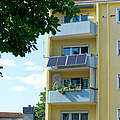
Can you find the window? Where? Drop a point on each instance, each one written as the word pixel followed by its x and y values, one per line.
pixel 75 19
pixel 118 15
pixel 118 47
pixel 83 82
pixel 82 115
pixel 75 50
pixel 118 82
pixel 118 114
pixel 66 51
pixel 84 17
pixel 66 19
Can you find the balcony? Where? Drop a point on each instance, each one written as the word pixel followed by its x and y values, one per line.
pixel 81 96
pixel 72 62
pixel 84 29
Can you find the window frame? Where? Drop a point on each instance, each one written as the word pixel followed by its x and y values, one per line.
pixel 70 79
pixel 118 54
pixel 74 46
pixel 70 114
pixel 71 21
pixel 117 15
pixel 117 113
pixel 118 81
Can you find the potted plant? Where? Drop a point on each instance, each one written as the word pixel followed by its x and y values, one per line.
pixel 62 92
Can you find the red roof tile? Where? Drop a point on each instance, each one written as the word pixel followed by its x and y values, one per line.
pixel 10 115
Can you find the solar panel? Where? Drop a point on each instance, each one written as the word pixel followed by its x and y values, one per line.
pixel 71 60
pixel 81 59
pixel 52 61
pixel 61 61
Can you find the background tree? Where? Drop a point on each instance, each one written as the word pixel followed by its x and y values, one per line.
pixel 39 109
pixel 22 21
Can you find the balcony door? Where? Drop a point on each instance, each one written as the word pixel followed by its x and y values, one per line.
pixel 74 116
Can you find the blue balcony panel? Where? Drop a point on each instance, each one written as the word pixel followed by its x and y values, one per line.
pixel 83 29
pixel 91 62
pixel 76 96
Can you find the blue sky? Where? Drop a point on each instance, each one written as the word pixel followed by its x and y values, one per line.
pixel 23 79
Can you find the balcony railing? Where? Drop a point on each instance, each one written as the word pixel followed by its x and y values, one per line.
pixel 81 96
pixel 76 61
pixel 83 29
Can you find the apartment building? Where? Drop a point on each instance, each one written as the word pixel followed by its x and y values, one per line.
pixel 83 70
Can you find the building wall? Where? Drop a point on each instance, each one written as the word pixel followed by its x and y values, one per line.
pixel 28 117
pixel 56 110
pixel 105 45
pixel 114 62
pixel 109 65
pixel 57 45
pixel 91 12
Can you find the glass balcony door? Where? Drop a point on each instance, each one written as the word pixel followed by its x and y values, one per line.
pixel 74 116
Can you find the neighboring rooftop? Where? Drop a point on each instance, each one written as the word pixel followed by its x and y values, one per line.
pixel 10 115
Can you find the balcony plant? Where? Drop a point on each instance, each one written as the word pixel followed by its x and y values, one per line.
pixel 62 91
pixel 71 86
pixel 56 87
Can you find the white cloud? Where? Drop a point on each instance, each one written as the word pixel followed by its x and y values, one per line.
pixel 7 62
pixel 38 81
pixel 28 63
pixel 18 88
pixel 35 68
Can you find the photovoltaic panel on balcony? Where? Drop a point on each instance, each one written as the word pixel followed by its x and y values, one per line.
pixel 71 60
pixel 61 61
pixel 52 61
pixel 81 60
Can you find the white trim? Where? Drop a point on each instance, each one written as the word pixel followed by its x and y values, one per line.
pixel 74 111
pixel 94 2
pixel 117 15
pixel 75 46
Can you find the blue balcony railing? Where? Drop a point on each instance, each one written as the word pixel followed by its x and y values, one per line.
pixel 81 96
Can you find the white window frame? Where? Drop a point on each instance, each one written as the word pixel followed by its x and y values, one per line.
pixel 74 78
pixel 118 81
pixel 70 113
pixel 117 113
pixel 118 48
pixel 117 15
pixel 74 46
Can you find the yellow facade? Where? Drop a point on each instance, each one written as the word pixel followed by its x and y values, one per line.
pixel 104 46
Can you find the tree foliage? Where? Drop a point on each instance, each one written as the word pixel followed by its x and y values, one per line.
pixel 39 109
pixel 22 21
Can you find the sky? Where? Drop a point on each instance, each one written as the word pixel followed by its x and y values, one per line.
pixel 23 78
